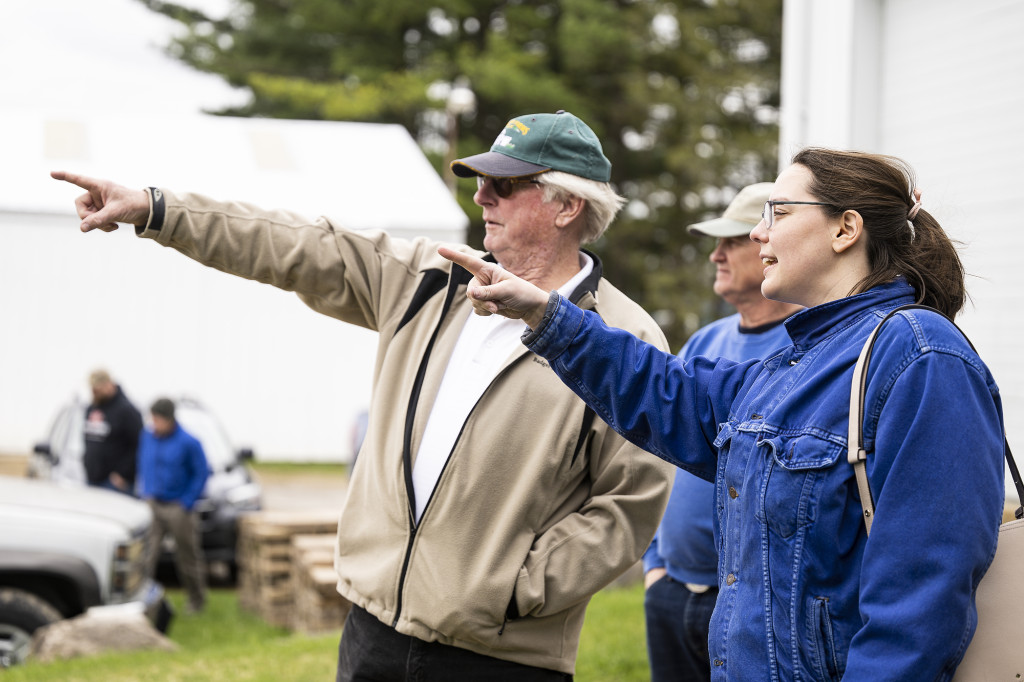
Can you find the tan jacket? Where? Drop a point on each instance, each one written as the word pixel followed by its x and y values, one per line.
pixel 540 504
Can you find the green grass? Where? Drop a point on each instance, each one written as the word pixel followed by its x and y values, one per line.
pixel 225 643
pixel 613 646
pixel 222 643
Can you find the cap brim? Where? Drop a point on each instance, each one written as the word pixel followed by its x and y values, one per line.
pixel 721 227
pixel 493 164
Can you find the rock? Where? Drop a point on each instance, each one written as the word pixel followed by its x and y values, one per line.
pixel 97 631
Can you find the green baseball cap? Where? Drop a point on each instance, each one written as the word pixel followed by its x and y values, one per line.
pixel 536 143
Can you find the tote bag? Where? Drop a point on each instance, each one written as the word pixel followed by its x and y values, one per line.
pixel 996 652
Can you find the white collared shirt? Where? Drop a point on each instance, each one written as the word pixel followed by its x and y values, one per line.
pixel 484 345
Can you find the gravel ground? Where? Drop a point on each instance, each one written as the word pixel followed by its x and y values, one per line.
pixel 281 491
pixel 298 491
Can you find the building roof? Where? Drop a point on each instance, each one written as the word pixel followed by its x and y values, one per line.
pixel 364 174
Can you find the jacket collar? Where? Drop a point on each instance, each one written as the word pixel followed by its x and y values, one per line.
pixel 808 327
pixel 585 295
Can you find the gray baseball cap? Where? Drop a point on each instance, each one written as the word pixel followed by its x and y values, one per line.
pixel 742 214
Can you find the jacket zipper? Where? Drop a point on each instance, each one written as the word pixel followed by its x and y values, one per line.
pixel 414 398
pixel 413 524
pixel 405 568
pixel 409 417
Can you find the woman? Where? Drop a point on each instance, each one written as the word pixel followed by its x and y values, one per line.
pixel 805 594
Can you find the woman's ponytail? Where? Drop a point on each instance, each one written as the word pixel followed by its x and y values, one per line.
pixel 903 238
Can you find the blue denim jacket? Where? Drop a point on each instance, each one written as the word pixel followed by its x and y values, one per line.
pixel 805 595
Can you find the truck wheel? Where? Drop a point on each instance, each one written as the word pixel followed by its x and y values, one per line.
pixel 21 614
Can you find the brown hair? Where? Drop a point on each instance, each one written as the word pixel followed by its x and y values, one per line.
pixel 880 188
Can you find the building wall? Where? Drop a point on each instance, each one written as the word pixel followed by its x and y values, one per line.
pixel 282 378
pixel 939 84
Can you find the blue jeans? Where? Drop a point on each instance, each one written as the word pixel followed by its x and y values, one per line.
pixel 677 631
pixel 370 651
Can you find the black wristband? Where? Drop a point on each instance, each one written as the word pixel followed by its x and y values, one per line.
pixel 157 210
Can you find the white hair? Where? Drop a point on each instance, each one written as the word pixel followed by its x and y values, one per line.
pixel 601 203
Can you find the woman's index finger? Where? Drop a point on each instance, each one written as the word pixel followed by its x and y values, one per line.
pixel 471 263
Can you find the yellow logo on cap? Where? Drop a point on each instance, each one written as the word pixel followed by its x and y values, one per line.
pixel 518 126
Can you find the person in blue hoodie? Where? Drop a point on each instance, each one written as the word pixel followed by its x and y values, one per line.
pixel 171 474
pixel 804 593
pixel 681 565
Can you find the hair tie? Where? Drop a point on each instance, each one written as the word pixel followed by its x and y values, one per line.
pixel 917 204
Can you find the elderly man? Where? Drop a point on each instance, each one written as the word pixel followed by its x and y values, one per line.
pixel 489 502
pixel 681 566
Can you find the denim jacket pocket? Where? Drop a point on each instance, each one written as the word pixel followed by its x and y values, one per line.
pixel 822 640
pixel 793 471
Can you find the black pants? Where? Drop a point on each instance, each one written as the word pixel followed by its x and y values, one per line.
pixel 370 651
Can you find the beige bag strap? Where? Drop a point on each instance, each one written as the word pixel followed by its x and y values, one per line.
pixel 855 453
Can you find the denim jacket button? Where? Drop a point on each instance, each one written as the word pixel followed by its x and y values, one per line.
pixel 732 493
pixel 730 579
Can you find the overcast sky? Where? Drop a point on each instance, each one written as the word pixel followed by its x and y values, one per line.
pixel 98 54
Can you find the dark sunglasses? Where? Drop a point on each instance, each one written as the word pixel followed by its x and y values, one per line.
pixel 504 187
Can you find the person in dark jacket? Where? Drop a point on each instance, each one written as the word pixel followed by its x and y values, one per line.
pixel 172 473
pixel 112 426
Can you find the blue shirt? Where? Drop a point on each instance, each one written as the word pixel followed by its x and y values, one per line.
pixel 172 468
pixel 685 544
pixel 804 593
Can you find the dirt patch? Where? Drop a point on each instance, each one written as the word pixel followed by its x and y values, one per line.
pixel 282 490
pixel 302 491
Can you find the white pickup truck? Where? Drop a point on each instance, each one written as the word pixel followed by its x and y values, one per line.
pixel 65 549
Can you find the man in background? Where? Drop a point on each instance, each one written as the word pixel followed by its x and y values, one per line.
pixel 172 473
pixel 681 565
pixel 112 426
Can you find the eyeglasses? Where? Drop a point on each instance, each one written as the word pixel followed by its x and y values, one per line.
pixel 504 187
pixel 768 212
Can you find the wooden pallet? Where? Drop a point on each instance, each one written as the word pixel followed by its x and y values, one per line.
pixel 318 606
pixel 265 557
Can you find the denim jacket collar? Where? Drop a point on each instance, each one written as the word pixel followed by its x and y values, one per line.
pixel 808 327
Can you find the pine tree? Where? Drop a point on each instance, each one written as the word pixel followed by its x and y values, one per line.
pixel 683 94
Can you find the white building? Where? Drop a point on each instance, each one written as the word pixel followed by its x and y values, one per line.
pixel 939 83
pixel 87 88
pixel 284 379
